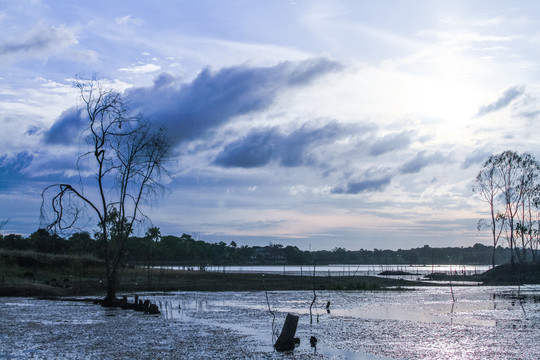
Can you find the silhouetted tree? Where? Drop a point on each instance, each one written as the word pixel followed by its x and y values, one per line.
pixel 16 242
pixel 152 235
pixel 82 243
pixel 487 190
pixel 128 156
pixel 44 242
pixel 510 180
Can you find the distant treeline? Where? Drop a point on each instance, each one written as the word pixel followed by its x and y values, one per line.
pixel 191 253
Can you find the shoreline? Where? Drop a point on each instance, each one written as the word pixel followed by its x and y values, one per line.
pixel 72 277
pixel 200 281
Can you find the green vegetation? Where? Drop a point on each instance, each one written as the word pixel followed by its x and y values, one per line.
pixel 32 273
pixel 28 273
pixel 185 251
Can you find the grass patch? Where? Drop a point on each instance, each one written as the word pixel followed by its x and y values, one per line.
pixel 27 273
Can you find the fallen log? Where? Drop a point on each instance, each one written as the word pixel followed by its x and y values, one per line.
pixel 138 305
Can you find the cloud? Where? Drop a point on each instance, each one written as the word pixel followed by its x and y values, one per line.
pixel 507 97
pixel 419 162
pixel 476 157
pixel 56 163
pixel 128 20
pixel 11 168
pixel 215 97
pixel 369 185
pixel 390 143
pixel 530 114
pixel 141 69
pixel 262 146
pixel 41 42
pixel 66 129
pixel 20 168
pixel 189 110
pixel 255 150
pixel 528 107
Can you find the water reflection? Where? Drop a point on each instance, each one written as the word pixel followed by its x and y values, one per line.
pixel 482 322
pixel 434 306
pixel 416 272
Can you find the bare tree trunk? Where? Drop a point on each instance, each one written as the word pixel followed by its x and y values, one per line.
pixel 285 341
pixel 129 155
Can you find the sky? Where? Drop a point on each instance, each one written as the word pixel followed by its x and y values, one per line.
pixel 318 124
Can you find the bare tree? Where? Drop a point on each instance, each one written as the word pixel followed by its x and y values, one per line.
pixel 510 180
pixel 153 234
pixel 127 157
pixel 488 190
pixel 528 187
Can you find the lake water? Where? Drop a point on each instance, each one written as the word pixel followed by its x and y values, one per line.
pixel 483 323
pixel 350 270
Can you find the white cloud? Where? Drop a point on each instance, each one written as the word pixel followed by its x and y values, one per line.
pixel 410 92
pixel 141 69
pixel 41 42
pixel 129 20
pixel 492 21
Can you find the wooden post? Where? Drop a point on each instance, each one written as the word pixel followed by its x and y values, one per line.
pixel 285 341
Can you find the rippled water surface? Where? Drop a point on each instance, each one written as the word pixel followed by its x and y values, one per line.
pixel 424 323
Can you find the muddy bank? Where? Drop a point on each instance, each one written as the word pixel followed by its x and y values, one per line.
pixel 506 274
pixel 484 322
pixel 136 280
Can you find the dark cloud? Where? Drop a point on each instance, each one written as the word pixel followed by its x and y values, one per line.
pixel 42 165
pixel 262 146
pixel 214 97
pixel 255 150
pixel 209 101
pixel 295 146
pixel 47 164
pixel 390 143
pixel 369 185
pixel 66 129
pixel 11 168
pixel 39 41
pixel 476 157
pixel 507 97
pixel 419 162
pixel 11 164
pixel 32 130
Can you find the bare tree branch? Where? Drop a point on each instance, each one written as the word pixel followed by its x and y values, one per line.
pixel 129 157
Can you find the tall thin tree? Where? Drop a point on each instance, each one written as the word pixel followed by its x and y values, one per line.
pixel 128 157
pixel 487 189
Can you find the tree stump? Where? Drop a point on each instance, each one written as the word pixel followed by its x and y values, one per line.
pixel 285 341
pixel 153 310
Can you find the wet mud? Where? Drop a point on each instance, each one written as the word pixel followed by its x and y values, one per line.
pixel 483 322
